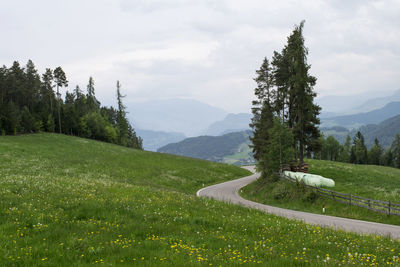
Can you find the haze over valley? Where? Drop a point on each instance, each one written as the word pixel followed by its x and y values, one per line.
pixel 172 120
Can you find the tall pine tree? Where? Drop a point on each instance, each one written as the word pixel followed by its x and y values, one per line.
pixel 395 149
pixel 262 111
pixel 285 89
pixel 61 81
pixel 303 112
pixel 123 128
pixel 92 102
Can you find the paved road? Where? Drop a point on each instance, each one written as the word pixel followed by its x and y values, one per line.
pixel 228 192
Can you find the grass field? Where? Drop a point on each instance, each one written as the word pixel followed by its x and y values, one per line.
pixel 67 201
pixel 242 157
pixel 370 181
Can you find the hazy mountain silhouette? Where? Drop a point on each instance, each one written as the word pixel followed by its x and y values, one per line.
pixel 356 120
pixel 334 106
pixel 231 123
pixel 186 116
pixel 384 131
pixel 379 102
pixel 153 140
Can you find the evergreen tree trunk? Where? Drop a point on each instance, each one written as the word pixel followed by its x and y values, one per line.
pixel 58 107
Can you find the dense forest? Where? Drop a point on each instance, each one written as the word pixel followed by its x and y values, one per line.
pixel 30 102
pixel 355 151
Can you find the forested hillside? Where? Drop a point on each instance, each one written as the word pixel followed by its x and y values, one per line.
pixel 385 132
pixel 29 103
pixel 214 148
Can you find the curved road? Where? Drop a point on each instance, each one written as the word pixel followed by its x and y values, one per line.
pixel 228 192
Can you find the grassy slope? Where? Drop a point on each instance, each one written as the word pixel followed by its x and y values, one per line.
pixel 64 156
pixel 376 182
pixel 242 157
pixel 69 201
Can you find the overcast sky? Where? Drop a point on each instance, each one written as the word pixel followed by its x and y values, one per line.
pixel 205 50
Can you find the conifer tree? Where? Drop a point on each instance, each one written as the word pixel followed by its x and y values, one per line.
pixel 90 87
pixel 27 105
pixel 387 157
pixel 3 75
pixel 121 118
pixel 262 113
pixel 279 152
pixel 359 152
pixel 281 78
pixel 285 90
pixel 345 152
pixel 13 118
pixel 92 102
pixel 16 84
pixel 47 91
pixel 375 153
pixel 61 81
pixel 32 86
pixel 261 137
pixel 395 148
pixel 303 113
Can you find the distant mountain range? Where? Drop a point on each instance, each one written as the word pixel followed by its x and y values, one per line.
pixel 234 148
pixel 231 148
pixel 378 102
pixel 333 106
pixel 231 123
pixel 162 122
pixel 385 131
pixel 152 140
pixel 357 120
pixel 186 116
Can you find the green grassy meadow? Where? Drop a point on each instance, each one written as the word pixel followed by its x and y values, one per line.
pixel 369 181
pixel 242 157
pixel 66 201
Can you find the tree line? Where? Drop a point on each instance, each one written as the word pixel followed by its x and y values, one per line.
pixel 355 151
pixel 285 118
pixel 29 104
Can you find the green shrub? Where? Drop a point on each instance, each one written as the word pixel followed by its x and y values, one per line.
pixel 280 191
pixel 310 196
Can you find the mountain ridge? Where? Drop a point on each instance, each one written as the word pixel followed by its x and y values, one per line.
pixel 231 123
pixel 385 132
pixel 356 120
pixel 152 140
pixel 214 148
pixel 187 116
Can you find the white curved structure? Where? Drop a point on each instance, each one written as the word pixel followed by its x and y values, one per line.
pixel 310 179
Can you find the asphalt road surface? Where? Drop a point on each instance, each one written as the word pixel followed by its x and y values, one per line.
pixel 228 192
